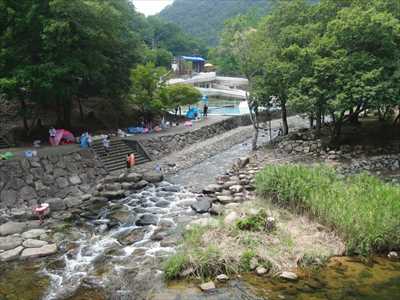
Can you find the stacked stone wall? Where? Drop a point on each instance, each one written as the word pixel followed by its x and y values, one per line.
pixel 24 181
pixel 158 147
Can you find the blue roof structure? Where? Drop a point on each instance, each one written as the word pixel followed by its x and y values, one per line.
pixel 194 58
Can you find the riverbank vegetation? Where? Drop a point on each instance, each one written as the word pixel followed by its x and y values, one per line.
pixel 234 245
pixel 362 209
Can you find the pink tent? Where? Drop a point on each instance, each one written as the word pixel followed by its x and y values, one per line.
pixel 62 136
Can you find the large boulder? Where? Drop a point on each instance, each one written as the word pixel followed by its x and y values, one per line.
pixel 212 188
pixel 133 177
pixel 201 206
pixel 39 252
pixel 31 243
pixel 10 242
pixel 56 204
pixel 12 228
pixel 11 254
pixel 33 233
pixel 147 219
pixel 153 177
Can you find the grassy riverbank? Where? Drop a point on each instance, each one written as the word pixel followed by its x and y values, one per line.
pixel 362 209
pixel 246 242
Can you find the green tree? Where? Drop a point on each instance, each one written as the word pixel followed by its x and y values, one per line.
pixel 55 51
pixel 148 92
pixel 354 64
pixel 182 94
pixel 280 38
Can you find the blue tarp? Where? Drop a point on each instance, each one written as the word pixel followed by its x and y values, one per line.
pixel 192 113
pixel 193 58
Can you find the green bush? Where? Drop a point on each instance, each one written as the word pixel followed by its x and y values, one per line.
pixel 362 208
pixel 245 259
pixel 204 262
pixel 253 223
pixel 175 265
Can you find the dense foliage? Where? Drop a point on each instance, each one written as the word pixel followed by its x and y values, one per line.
pixel 363 209
pixel 55 54
pixel 54 51
pixel 205 19
pixel 332 58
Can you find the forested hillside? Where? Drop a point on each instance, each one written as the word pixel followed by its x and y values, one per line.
pixel 205 18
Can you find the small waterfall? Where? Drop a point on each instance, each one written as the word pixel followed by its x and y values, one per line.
pixel 99 246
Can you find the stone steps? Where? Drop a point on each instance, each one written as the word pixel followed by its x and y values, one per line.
pixel 115 159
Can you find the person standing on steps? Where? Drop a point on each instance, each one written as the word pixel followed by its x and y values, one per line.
pixel 106 144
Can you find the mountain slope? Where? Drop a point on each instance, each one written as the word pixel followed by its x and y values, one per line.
pixel 205 18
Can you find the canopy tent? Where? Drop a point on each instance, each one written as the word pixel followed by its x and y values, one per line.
pixel 63 136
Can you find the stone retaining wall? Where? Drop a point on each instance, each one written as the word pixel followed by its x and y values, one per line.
pixel 158 147
pixel 23 181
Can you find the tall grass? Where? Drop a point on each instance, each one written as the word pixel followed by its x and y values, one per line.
pixel 363 209
pixel 202 261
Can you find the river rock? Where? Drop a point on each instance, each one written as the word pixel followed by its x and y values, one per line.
pixel 12 228
pixel 231 218
pixel 56 204
pixel 146 220
pixel 75 179
pixel 113 195
pixel 39 252
pixel 73 201
pixel 225 199
pixel 201 206
pixel 132 237
pixel 31 243
pixel 122 216
pixel 133 177
pixel 290 276
pixel 242 162
pixel 153 177
pixel 236 188
pixel 163 203
pixel 228 184
pixel 141 184
pixel 208 286
pixel 392 255
pixel 212 188
pixel 261 271
pixel 10 242
pixel 112 187
pixel 222 278
pixel 33 233
pixel 11 254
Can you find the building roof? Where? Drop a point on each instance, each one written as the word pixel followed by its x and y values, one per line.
pixel 194 58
